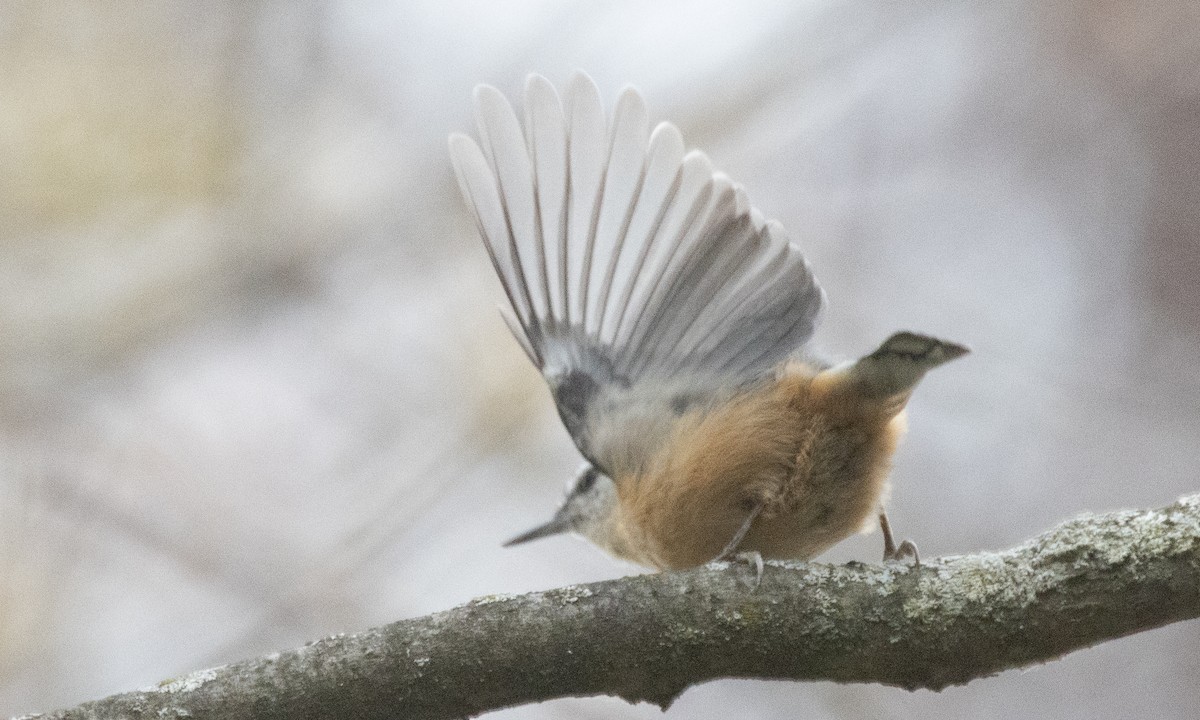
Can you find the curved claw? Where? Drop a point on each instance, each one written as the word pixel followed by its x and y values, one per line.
pixel 906 549
pixel 755 559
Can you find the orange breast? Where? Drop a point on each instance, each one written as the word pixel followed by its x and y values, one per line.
pixel 814 456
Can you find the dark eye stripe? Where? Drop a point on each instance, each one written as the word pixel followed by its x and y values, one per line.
pixel 586 481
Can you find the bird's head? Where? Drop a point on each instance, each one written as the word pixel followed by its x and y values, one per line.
pixel 588 510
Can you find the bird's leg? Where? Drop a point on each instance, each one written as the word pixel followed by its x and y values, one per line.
pixel 753 557
pixel 740 535
pixel 890 550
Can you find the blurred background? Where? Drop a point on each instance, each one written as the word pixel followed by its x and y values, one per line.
pixel 254 389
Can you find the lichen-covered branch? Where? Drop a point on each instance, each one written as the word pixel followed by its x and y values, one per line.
pixel 650 637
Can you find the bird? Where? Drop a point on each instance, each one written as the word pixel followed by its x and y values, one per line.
pixel 672 323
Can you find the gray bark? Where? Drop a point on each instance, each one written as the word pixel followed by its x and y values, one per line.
pixel 650 637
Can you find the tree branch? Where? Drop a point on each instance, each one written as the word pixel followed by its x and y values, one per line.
pixel 650 637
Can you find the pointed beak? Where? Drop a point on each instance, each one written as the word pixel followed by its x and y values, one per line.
pixel 558 524
pixel 953 351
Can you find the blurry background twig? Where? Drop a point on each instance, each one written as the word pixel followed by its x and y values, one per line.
pixel 253 388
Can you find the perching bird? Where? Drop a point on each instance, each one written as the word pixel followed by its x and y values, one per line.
pixel 669 319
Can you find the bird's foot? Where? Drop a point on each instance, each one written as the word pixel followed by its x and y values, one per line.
pixel 906 549
pixel 753 557
pixel 893 552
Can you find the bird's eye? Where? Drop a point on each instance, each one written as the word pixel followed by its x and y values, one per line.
pixel 586 481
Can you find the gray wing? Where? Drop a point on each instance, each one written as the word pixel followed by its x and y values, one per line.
pixel 625 260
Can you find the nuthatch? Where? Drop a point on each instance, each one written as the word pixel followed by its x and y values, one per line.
pixel 669 319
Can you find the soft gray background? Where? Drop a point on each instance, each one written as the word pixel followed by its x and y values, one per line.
pixel 254 390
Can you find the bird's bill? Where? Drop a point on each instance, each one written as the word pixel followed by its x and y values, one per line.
pixel 556 526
